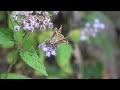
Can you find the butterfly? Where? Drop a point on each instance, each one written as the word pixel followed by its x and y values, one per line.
pixel 57 37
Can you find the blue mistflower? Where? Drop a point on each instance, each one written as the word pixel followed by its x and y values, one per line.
pixel 48 49
pixel 91 30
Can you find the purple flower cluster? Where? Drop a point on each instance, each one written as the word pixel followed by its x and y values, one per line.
pixel 48 49
pixel 91 31
pixel 31 20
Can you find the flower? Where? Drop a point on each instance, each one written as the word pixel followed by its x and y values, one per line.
pixel 32 20
pixel 55 12
pixel 48 49
pixel 91 30
pixel 17 28
pixel 42 27
pixel 82 36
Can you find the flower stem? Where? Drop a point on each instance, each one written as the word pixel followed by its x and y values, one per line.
pixel 16 56
pixel 17 51
pixel 13 62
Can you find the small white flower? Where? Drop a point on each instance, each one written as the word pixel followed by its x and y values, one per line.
pixel 55 12
pixel 16 12
pixel 48 54
pixel 17 28
pixel 96 20
pixel 50 25
pixel 31 28
pixel 22 12
pixel 37 25
pixel 14 17
pixel 53 53
pixel 45 22
pixel 39 12
pixel 96 26
pixel 42 27
pixel 82 36
pixel 87 24
pixel 45 13
pixel 44 49
pixel 102 26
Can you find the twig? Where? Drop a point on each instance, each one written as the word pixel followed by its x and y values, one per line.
pixel 79 60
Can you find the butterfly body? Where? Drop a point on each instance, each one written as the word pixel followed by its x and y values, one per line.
pixel 57 37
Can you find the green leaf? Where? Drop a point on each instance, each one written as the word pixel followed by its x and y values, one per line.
pixel 75 35
pixel 31 58
pixel 42 55
pixel 6 37
pixel 56 73
pixel 13 76
pixel 44 35
pixel 30 41
pixel 17 34
pixel 63 57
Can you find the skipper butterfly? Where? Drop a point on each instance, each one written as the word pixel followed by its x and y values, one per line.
pixel 57 37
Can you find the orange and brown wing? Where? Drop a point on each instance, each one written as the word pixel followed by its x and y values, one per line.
pixel 57 32
pixel 62 41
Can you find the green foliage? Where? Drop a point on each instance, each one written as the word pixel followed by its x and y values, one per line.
pixel 10 56
pixel 6 37
pixel 42 56
pixel 30 41
pixel 93 71
pixel 44 35
pixel 75 35
pixel 31 58
pixel 103 41
pixel 2 15
pixel 91 15
pixel 63 57
pixel 17 35
pixel 12 76
pixel 56 73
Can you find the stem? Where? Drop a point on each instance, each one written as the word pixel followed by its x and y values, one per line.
pixel 25 37
pixel 11 65
pixel 16 56
pixel 79 60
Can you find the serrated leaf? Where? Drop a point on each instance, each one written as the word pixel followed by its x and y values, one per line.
pixel 31 58
pixel 6 37
pixel 30 41
pixel 13 76
pixel 63 57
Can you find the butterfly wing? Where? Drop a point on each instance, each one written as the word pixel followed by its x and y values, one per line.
pixel 62 41
pixel 57 37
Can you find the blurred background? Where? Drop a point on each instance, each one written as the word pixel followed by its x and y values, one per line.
pixel 96 58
